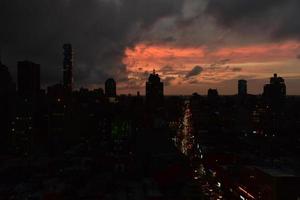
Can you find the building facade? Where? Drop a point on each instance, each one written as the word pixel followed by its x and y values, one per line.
pixel 28 79
pixel 242 87
pixel 68 68
pixel 154 90
pixel 110 88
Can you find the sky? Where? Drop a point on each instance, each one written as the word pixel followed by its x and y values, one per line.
pixel 193 45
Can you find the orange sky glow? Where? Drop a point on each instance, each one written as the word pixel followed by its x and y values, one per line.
pixel 258 61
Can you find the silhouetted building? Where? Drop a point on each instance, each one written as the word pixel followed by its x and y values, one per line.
pixel 98 93
pixel 7 94
pixel 26 123
pixel 274 97
pixel 68 68
pixel 56 92
pixel 110 88
pixel 242 87
pixel 7 86
pixel 213 97
pixel 275 91
pixel 212 93
pixel 28 79
pixel 276 88
pixel 154 90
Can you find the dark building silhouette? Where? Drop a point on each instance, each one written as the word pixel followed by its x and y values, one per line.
pixel 110 88
pixel 7 94
pixel 28 79
pixel 275 91
pixel 6 83
pixel 212 93
pixel 274 97
pixel 56 92
pixel 68 68
pixel 26 125
pixel 213 96
pixel 242 87
pixel 154 90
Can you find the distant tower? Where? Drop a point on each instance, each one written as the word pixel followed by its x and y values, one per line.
pixel 275 91
pixel 110 88
pixel 68 68
pixel 6 82
pixel 276 88
pixel 242 87
pixel 212 93
pixel 28 79
pixel 154 90
pixel 7 93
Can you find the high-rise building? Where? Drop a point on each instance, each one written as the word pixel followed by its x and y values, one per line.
pixel 68 68
pixel 154 90
pixel 6 83
pixel 242 87
pixel 276 89
pixel 55 92
pixel 110 88
pixel 25 125
pixel 275 92
pixel 212 94
pixel 28 79
pixel 7 94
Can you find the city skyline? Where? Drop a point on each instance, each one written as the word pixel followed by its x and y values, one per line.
pixel 150 99
pixel 110 86
pixel 193 45
pixel 105 86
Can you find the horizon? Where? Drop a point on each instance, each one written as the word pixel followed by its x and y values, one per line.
pixel 233 84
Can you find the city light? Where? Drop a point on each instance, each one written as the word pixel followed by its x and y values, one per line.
pixel 247 193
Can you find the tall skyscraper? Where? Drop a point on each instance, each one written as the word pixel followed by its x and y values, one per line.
pixel 6 83
pixel 68 68
pixel 154 90
pixel 276 88
pixel 28 79
pixel 212 93
pixel 242 87
pixel 25 126
pixel 275 92
pixel 110 88
pixel 7 94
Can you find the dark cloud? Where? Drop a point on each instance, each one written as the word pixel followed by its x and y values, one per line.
pixel 166 68
pixel 100 31
pixel 236 69
pixel 194 82
pixel 194 72
pixel 168 71
pixel 277 18
pixel 168 80
pixel 230 12
pixel 169 39
pixel 222 68
pixel 220 62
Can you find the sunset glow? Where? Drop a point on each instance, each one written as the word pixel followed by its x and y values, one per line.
pixel 219 64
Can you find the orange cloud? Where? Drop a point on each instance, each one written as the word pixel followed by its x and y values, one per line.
pixel 149 57
pixel 219 64
pixel 260 52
